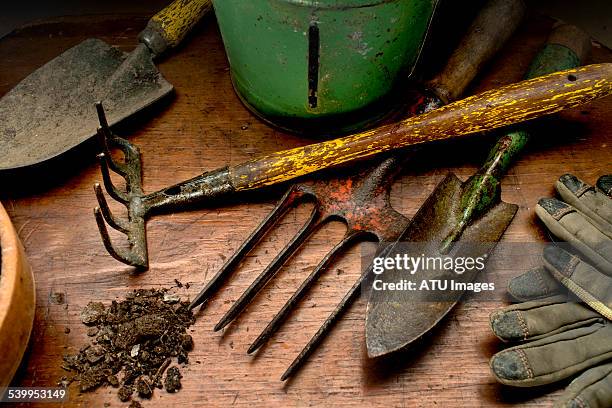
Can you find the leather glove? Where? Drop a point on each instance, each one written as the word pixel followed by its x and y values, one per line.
pixel 558 338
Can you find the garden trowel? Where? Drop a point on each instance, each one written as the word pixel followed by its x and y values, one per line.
pixel 458 220
pixel 52 110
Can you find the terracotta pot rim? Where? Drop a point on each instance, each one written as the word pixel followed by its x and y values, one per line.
pixel 17 300
pixel 8 265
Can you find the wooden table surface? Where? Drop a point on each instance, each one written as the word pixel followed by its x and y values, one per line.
pixel 204 127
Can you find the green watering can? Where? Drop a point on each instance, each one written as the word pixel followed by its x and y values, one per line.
pixel 326 65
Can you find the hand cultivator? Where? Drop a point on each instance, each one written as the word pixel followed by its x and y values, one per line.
pixel 489 110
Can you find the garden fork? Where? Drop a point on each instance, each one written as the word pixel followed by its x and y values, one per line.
pixel 361 201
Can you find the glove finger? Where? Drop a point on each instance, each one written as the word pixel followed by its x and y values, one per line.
pixel 591 286
pixel 591 389
pixel 534 284
pixel 540 318
pixel 604 184
pixel 553 358
pixel 570 225
pixel 586 199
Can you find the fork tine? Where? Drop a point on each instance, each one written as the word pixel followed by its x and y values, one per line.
pixel 264 277
pixel 101 115
pixel 116 223
pixel 280 317
pixel 101 137
pixel 346 301
pixel 108 183
pixel 116 253
pixel 288 200
pixel 104 135
pixel 320 334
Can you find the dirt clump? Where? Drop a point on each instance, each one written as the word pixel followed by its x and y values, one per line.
pixel 173 380
pixel 132 343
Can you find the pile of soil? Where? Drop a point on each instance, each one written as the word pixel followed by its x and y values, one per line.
pixel 133 343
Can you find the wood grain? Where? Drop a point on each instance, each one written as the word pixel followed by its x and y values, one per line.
pixel 205 127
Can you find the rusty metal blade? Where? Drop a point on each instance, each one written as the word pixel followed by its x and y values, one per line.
pixel 52 110
pixel 393 322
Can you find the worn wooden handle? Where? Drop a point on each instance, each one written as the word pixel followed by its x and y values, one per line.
pixel 489 110
pixel 493 26
pixel 483 189
pixel 168 27
pixel 565 48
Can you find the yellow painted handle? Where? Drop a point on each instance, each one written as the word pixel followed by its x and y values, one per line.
pixel 167 28
pixel 489 110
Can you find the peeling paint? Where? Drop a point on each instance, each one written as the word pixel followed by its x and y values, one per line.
pixel 489 110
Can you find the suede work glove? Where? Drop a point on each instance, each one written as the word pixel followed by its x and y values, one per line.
pixel 559 338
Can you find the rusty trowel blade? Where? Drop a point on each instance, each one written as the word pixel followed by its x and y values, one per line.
pixel 395 319
pixel 52 110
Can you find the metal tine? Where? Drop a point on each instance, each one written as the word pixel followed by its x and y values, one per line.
pixel 313 223
pixel 290 198
pixel 346 301
pixel 116 223
pixel 117 253
pixel 133 171
pixel 132 153
pixel 314 341
pixel 323 265
pixel 104 136
pixel 101 115
pixel 108 183
pixel 117 167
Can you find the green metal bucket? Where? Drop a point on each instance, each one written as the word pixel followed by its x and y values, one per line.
pixel 327 65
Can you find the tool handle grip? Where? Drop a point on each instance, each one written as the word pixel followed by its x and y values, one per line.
pixel 488 33
pixel 483 39
pixel 168 27
pixel 482 191
pixel 565 48
pixel 489 110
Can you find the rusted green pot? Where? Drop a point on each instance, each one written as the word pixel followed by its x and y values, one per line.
pixel 309 65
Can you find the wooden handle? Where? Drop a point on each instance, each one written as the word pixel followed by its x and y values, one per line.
pixel 489 110
pixel 167 28
pixel 492 28
pixel 571 37
pixel 565 48
pixel 483 189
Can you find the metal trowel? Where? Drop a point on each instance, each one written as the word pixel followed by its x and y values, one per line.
pixel 52 110
pixel 459 219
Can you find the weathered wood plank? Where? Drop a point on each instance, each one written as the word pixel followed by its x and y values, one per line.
pixel 206 127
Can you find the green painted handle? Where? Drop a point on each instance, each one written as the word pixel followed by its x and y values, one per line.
pixel 565 49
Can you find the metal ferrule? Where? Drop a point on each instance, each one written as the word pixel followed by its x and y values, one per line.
pixel 153 39
pixel 204 187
